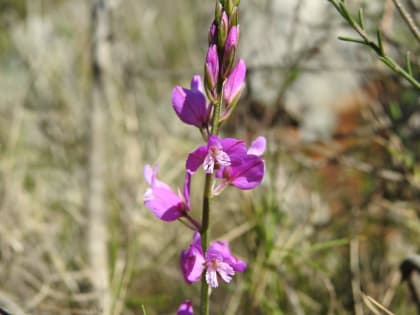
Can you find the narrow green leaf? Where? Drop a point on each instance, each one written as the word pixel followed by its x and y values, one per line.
pixel 143 309
pixel 380 44
pixel 353 40
pixel 329 244
pixel 361 19
pixel 408 63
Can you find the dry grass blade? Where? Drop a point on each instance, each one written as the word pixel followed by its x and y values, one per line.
pixel 376 307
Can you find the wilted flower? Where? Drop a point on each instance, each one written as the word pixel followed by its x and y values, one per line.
pixel 162 200
pixel 218 261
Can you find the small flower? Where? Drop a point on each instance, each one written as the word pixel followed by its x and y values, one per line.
pixel 234 84
pixel 218 261
pixel 186 308
pixel 192 260
pixel 245 172
pixel 190 104
pixel 164 203
pixel 216 154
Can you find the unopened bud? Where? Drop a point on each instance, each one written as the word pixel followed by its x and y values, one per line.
pixel 222 29
pixel 234 84
pixel 229 5
pixel 218 12
pixel 211 68
pixel 229 50
pixel 233 20
pixel 212 33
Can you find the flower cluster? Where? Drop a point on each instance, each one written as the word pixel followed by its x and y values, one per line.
pixel 224 161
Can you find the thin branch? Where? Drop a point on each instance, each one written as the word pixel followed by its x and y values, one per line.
pixel 408 19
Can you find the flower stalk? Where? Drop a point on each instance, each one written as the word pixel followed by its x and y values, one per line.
pixel 225 161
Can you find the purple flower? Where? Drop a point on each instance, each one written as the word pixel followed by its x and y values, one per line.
pixel 216 154
pixel 162 200
pixel 212 67
pixel 234 84
pixel 245 172
pixel 218 261
pixel 192 260
pixel 186 308
pixel 190 105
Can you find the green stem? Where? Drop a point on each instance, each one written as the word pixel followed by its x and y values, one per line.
pixel 205 220
pixel 205 293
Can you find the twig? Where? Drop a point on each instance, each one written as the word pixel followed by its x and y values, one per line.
pixel 376 46
pixel 408 19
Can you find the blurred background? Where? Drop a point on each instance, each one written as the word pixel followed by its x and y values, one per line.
pixel 85 102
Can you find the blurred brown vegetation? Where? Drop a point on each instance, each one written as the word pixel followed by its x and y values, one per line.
pixel 336 215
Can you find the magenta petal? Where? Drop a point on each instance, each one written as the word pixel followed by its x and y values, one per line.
pixel 233 147
pixel 197 84
pixel 258 146
pixel 150 175
pixel 232 38
pixel 196 158
pixel 164 203
pixel 190 105
pixel 222 249
pixel 247 173
pixel 192 261
pixel 186 308
pixel 212 65
pixel 234 83
pixel 187 184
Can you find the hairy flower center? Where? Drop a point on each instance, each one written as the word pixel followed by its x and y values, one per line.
pixel 215 158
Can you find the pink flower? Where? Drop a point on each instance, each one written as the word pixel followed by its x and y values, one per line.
pixel 218 261
pixel 186 308
pixel 215 155
pixel 190 104
pixel 245 172
pixel 234 84
pixel 160 198
pixel 192 260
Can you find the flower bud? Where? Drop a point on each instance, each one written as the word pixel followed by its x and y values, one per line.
pixel 218 12
pixel 234 84
pixel 212 33
pixel 233 20
pixel 229 5
pixel 229 51
pixel 211 70
pixel 222 29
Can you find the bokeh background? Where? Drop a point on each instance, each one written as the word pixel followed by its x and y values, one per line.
pixel 85 96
